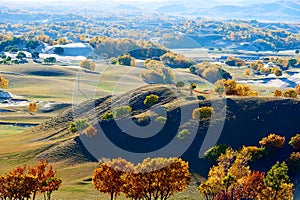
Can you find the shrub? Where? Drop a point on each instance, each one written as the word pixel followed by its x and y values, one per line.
pixel 161 120
pixel 213 153
pixel 151 99
pixel 291 93
pixel 50 60
pixel 179 85
pixel 272 141
pixel 295 142
pixel 203 113
pixel 108 115
pixel 122 111
pixel 277 93
pixel 183 134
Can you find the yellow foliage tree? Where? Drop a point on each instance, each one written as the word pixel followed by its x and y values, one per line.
pixel 3 82
pixel 32 107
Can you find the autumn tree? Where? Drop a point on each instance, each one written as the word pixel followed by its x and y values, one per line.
pixel 32 107
pixel 203 113
pixel 108 177
pixel 277 71
pixel 158 178
pixel 219 88
pixel 253 185
pixel 47 179
pixel 272 141
pixel 227 176
pixel 278 182
pixel 87 64
pixel 193 86
pixel 3 82
pixel 290 93
pixel 277 93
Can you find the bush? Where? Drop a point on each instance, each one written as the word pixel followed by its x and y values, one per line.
pixel 79 126
pixel 21 55
pixel 107 116
pixel 151 99
pixel 214 153
pixel 183 134
pixel 291 93
pixel 295 142
pixel 161 120
pixel 203 113
pixel 122 111
pixel 272 141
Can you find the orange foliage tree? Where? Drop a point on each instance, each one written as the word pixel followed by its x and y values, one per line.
pixel 157 178
pixel 25 182
pixel 272 141
pixel 108 177
pixel 32 107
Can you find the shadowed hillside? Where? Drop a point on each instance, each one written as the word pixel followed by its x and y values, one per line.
pixel 247 121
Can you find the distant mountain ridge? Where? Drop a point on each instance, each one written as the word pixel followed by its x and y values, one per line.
pixel 266 10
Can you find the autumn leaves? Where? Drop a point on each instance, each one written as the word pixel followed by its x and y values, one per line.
pixel 157 178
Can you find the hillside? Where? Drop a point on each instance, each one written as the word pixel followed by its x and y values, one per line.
pixel 264 116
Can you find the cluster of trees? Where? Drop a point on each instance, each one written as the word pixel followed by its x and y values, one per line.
pixel 175 60
pixel 124 59
pixel 87 64
pixel 82 126
pixel 50 60
pixel 231 87
pixel 233 179
pixel 110 47
pixel 235 62
pixel 290 93
pixel 152 179
pixel 157 73
pixel 209 71
pixel 26 182
pixel 117 113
